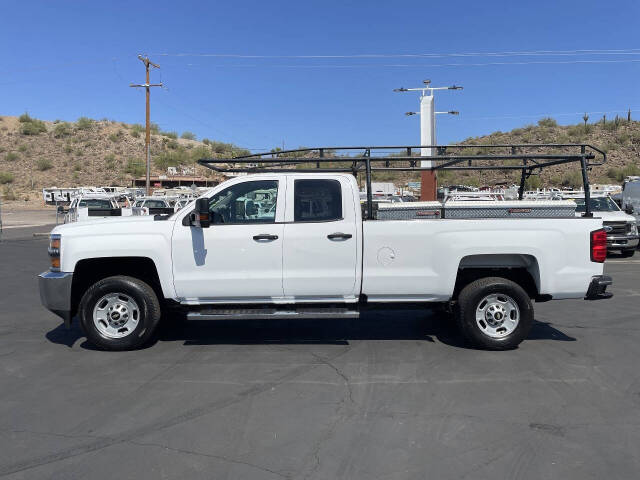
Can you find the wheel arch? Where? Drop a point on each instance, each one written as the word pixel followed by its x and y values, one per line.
pixel 522 269
pixel 90 270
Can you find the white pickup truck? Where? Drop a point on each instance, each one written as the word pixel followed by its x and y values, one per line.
pixel 294 245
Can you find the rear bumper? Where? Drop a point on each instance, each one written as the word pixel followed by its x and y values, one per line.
pixel 598 286
pixel 55 293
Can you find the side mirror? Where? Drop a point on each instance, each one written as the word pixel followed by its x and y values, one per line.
pixel 628 209
pixel 200 217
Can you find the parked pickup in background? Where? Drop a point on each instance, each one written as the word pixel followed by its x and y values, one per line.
pixel 294 245
pixel 621 227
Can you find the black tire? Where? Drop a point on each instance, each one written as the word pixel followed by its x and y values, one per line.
pixel 470 299
pixel 628 253
pixel 148 313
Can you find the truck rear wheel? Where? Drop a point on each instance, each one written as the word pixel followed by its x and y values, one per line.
pixel 494 313
pixel 119 313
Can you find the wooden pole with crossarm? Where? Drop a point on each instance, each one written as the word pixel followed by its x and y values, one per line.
pixel 147 141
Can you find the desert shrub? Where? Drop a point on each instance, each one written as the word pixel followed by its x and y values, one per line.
pixel 631 170
pixel 77 167
pixel 135 167
pixel 206 141
pixel 11 157
pixel 25 118
pixel 67 149
pixel 114 137
pixel 43 164
pixel 188 136
pixel 84 123
pixel 572 179
pixel 172 158
pixel 547 122
pixel 22 148
pixel 533 182
pixel 172 135
pixel 154 128
pixel 33 127
pixel 6 177
pixel 8 194
pixel 62 129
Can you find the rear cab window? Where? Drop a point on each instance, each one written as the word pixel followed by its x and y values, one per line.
pixel 317 200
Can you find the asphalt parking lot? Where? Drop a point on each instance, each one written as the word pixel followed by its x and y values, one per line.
pixel 391 395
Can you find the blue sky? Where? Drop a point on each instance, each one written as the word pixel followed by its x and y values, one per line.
pixel 69 59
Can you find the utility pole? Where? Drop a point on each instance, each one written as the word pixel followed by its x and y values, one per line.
pixel 147 141
pixel 429 185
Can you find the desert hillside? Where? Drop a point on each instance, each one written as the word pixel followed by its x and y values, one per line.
pixel 36 154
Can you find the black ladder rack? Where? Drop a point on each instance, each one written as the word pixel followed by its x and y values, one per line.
pixel 527 158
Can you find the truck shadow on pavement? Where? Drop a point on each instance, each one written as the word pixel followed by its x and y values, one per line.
pixel 372 326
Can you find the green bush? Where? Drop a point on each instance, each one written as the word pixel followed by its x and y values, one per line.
pixel 77 167
pixel 6 177
pixel 172 135
pixel 533 182
pixel 84 123
pixel 62 129
pixel 547 122
pixel 11 157
pixel 172 158
pixel 135 167
pixel 114 137
pixel 25 118
pixel 188 136
pixel 43 164
pixel 8 194
pixel 206 141
pixel 33 127
pixel 22 148
pixel 572 179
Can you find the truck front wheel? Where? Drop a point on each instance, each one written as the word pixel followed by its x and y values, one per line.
pixel 494 313
pixel 119 313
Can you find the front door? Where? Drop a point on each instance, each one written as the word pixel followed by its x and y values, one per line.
pixel 320 252
pixel 239 257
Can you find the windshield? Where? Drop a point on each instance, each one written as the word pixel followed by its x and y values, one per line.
pixel 95 203
pixel 598 204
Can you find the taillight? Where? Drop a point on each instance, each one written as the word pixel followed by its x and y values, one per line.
pixel 598 246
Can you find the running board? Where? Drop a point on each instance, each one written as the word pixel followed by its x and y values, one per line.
pixel 271 313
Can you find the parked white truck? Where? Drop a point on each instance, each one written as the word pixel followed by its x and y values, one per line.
pixel 309 254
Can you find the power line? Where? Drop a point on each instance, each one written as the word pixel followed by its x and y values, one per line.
pixel 628 51
pixel 421 65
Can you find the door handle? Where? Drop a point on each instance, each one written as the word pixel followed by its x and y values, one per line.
pixel 339 236
pixel 265 236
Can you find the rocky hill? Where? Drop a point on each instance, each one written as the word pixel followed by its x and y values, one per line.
pixel 36 154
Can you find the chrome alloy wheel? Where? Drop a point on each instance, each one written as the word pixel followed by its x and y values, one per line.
pixel 497 315
pixel 116 315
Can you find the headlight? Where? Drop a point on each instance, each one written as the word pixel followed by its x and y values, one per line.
pixel 634 229
pixel 54 251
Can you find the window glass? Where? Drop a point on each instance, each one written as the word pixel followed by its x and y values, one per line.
pixel 155 204
pixel 317 201
pixel 597 204
pixel 95 203
pixel 246 202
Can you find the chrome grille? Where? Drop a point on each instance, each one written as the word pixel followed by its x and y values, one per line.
pixel 618 228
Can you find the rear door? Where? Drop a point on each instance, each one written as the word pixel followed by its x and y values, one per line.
pixel 320 251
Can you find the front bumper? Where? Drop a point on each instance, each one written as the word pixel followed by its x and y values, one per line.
pixel 55 293
pixel 615 242
pixel 598 286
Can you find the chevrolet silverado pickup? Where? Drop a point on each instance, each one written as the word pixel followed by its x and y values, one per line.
pixel 295 245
